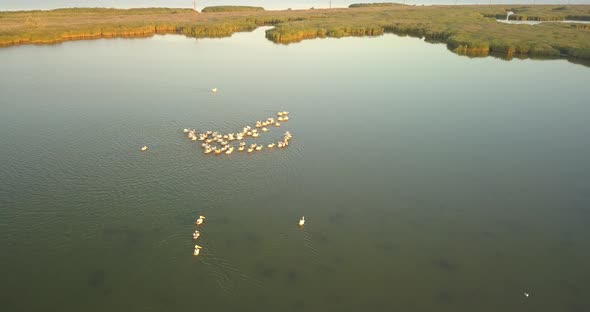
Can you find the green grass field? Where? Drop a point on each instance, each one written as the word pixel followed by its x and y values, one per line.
pixel 231 8
pixel 470 30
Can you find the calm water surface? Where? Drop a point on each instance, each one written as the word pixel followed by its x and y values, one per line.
pixel 429 181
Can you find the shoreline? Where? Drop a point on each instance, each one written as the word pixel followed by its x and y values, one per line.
pixel 466 30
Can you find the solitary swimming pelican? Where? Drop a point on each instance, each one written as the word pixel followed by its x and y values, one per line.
pixel 302 221
pixel 214 90
pixel 200 220
pixel 196 235
pixel 144 148
pixel 197 250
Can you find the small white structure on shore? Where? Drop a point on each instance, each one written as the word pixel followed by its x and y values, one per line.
pixel 508 14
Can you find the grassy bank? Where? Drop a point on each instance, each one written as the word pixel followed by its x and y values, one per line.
pixel 469 30
pixel 379 4
pixel 545 13
pixel 231 8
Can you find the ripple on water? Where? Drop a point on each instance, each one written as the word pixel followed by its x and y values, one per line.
pixel 224 272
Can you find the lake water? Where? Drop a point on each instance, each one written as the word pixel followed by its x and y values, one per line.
pixel 429 181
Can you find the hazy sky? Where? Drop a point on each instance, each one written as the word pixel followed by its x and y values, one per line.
pixel 268 4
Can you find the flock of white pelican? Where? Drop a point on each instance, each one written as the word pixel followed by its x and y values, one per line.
pixel 218 143
pixel 196 235
pixel 200 221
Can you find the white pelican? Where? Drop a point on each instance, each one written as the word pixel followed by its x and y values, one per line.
pixel 264 129
pixel 280 119
pixel 255 134
pixel 197 250
pixel 271 145
pixel 526 294
pixel 229 150
pixel 144 148
pixel 200 220
pixel 208 150
pixel 259 147
pixel 302 221
pixel 278 124
pixel 241 148
pixel 285 113
pixel 286 118
pixel 214 90
pixel 196 235
pixel 185 130
pixel 250 150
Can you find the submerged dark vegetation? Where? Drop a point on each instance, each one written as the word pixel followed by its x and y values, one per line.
pixel 468 30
